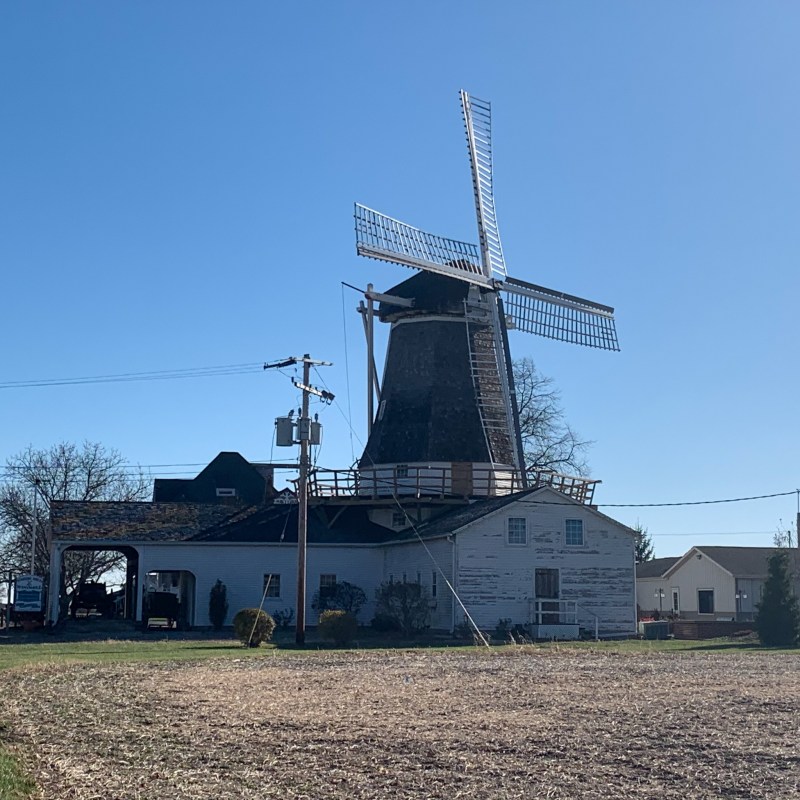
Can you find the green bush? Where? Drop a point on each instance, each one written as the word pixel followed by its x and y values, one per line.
pixel 342 596
pixel 406 603
pixel 383 623
pixel 253 626
pixel 340 627
pixel 218 605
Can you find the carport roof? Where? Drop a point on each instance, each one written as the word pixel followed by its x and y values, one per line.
pixel 132 521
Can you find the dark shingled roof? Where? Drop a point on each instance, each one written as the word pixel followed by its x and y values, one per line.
pixel 462 515
pixel 229 470
pixel 142 522
pixel 279 524
pixel 746 562
pixel 655 568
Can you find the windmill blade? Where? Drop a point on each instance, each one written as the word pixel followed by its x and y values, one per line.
pixel 556 315
pixel 387 239
pixel 478 122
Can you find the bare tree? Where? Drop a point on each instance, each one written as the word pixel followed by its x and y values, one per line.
pixel 548 441
pixel 63 472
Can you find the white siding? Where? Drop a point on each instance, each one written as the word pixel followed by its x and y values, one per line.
pixel 413 558
pixel 241 567
pixel 496 579
pixel 703 573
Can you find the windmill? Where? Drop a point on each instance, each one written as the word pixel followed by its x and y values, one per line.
pixel 447 395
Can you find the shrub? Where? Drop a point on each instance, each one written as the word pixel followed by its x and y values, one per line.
pixel 340 627
pixel 383 623
pixel 283 619
pixel 253 626
pixel 342 596
pixel 218 605
pixel 406 603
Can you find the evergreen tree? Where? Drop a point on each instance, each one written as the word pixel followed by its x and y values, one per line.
pixel 643 544
pixel 778 617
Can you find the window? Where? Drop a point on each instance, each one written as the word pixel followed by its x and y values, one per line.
pixel 272 585
pixel 401 471
pixel 419 579
pixel 226 492
pixel 433 583
pixel 517 530
pixel 705 601
pixel 399 519
pixel 574 533
pixel 327 581
pixel 676 604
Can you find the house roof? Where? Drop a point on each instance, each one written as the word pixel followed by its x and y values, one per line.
pixel 741 562
pixel 656 567
pixel 327 523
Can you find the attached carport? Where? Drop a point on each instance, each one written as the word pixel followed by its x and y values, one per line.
pixel 127 528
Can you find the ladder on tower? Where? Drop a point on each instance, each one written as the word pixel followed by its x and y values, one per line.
pixel 487 367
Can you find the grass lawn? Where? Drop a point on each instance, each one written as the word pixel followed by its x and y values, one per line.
pixel 14 784
pixel 157 716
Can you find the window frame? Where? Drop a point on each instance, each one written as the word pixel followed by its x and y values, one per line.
pixel 568 533
pixel 713 604
pixel 523 533
pixel 269 594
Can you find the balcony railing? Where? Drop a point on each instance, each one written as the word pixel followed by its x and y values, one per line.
pixel 439 481
pixel 546 611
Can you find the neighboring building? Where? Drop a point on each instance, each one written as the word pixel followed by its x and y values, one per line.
pixel 707 583
pixel 537 557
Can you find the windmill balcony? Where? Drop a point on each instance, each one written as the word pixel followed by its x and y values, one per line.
pixel 440 480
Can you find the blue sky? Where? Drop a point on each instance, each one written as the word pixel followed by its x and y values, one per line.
pixel 176 189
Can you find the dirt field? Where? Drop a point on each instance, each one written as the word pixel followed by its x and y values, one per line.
pixel 505 724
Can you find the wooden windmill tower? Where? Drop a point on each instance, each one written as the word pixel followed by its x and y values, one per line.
pixel 446 410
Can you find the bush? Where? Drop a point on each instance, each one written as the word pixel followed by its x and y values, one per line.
pixel 383 623
pixel 408 604
pixel 283 619
pixel 218 605
pixel 253 626
pixel 342 596
pixel 340 627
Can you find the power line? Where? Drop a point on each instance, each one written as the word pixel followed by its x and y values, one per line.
pixel 153 375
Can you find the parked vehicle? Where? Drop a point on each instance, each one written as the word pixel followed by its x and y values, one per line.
pixel 161 605
pixel 92 596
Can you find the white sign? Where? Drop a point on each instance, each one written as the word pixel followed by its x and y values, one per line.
pixel 28 593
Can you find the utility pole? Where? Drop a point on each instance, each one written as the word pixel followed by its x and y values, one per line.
pixel 302 508
pixel 307 433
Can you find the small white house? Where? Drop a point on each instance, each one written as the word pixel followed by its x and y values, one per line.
pixel 706 583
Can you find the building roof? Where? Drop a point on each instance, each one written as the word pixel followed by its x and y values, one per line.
pixel 656 567
pixel 228 471
pixel 74 520
pixel 744 562
pixel 278 523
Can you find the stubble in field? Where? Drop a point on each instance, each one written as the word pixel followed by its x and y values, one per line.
pixel 517 723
